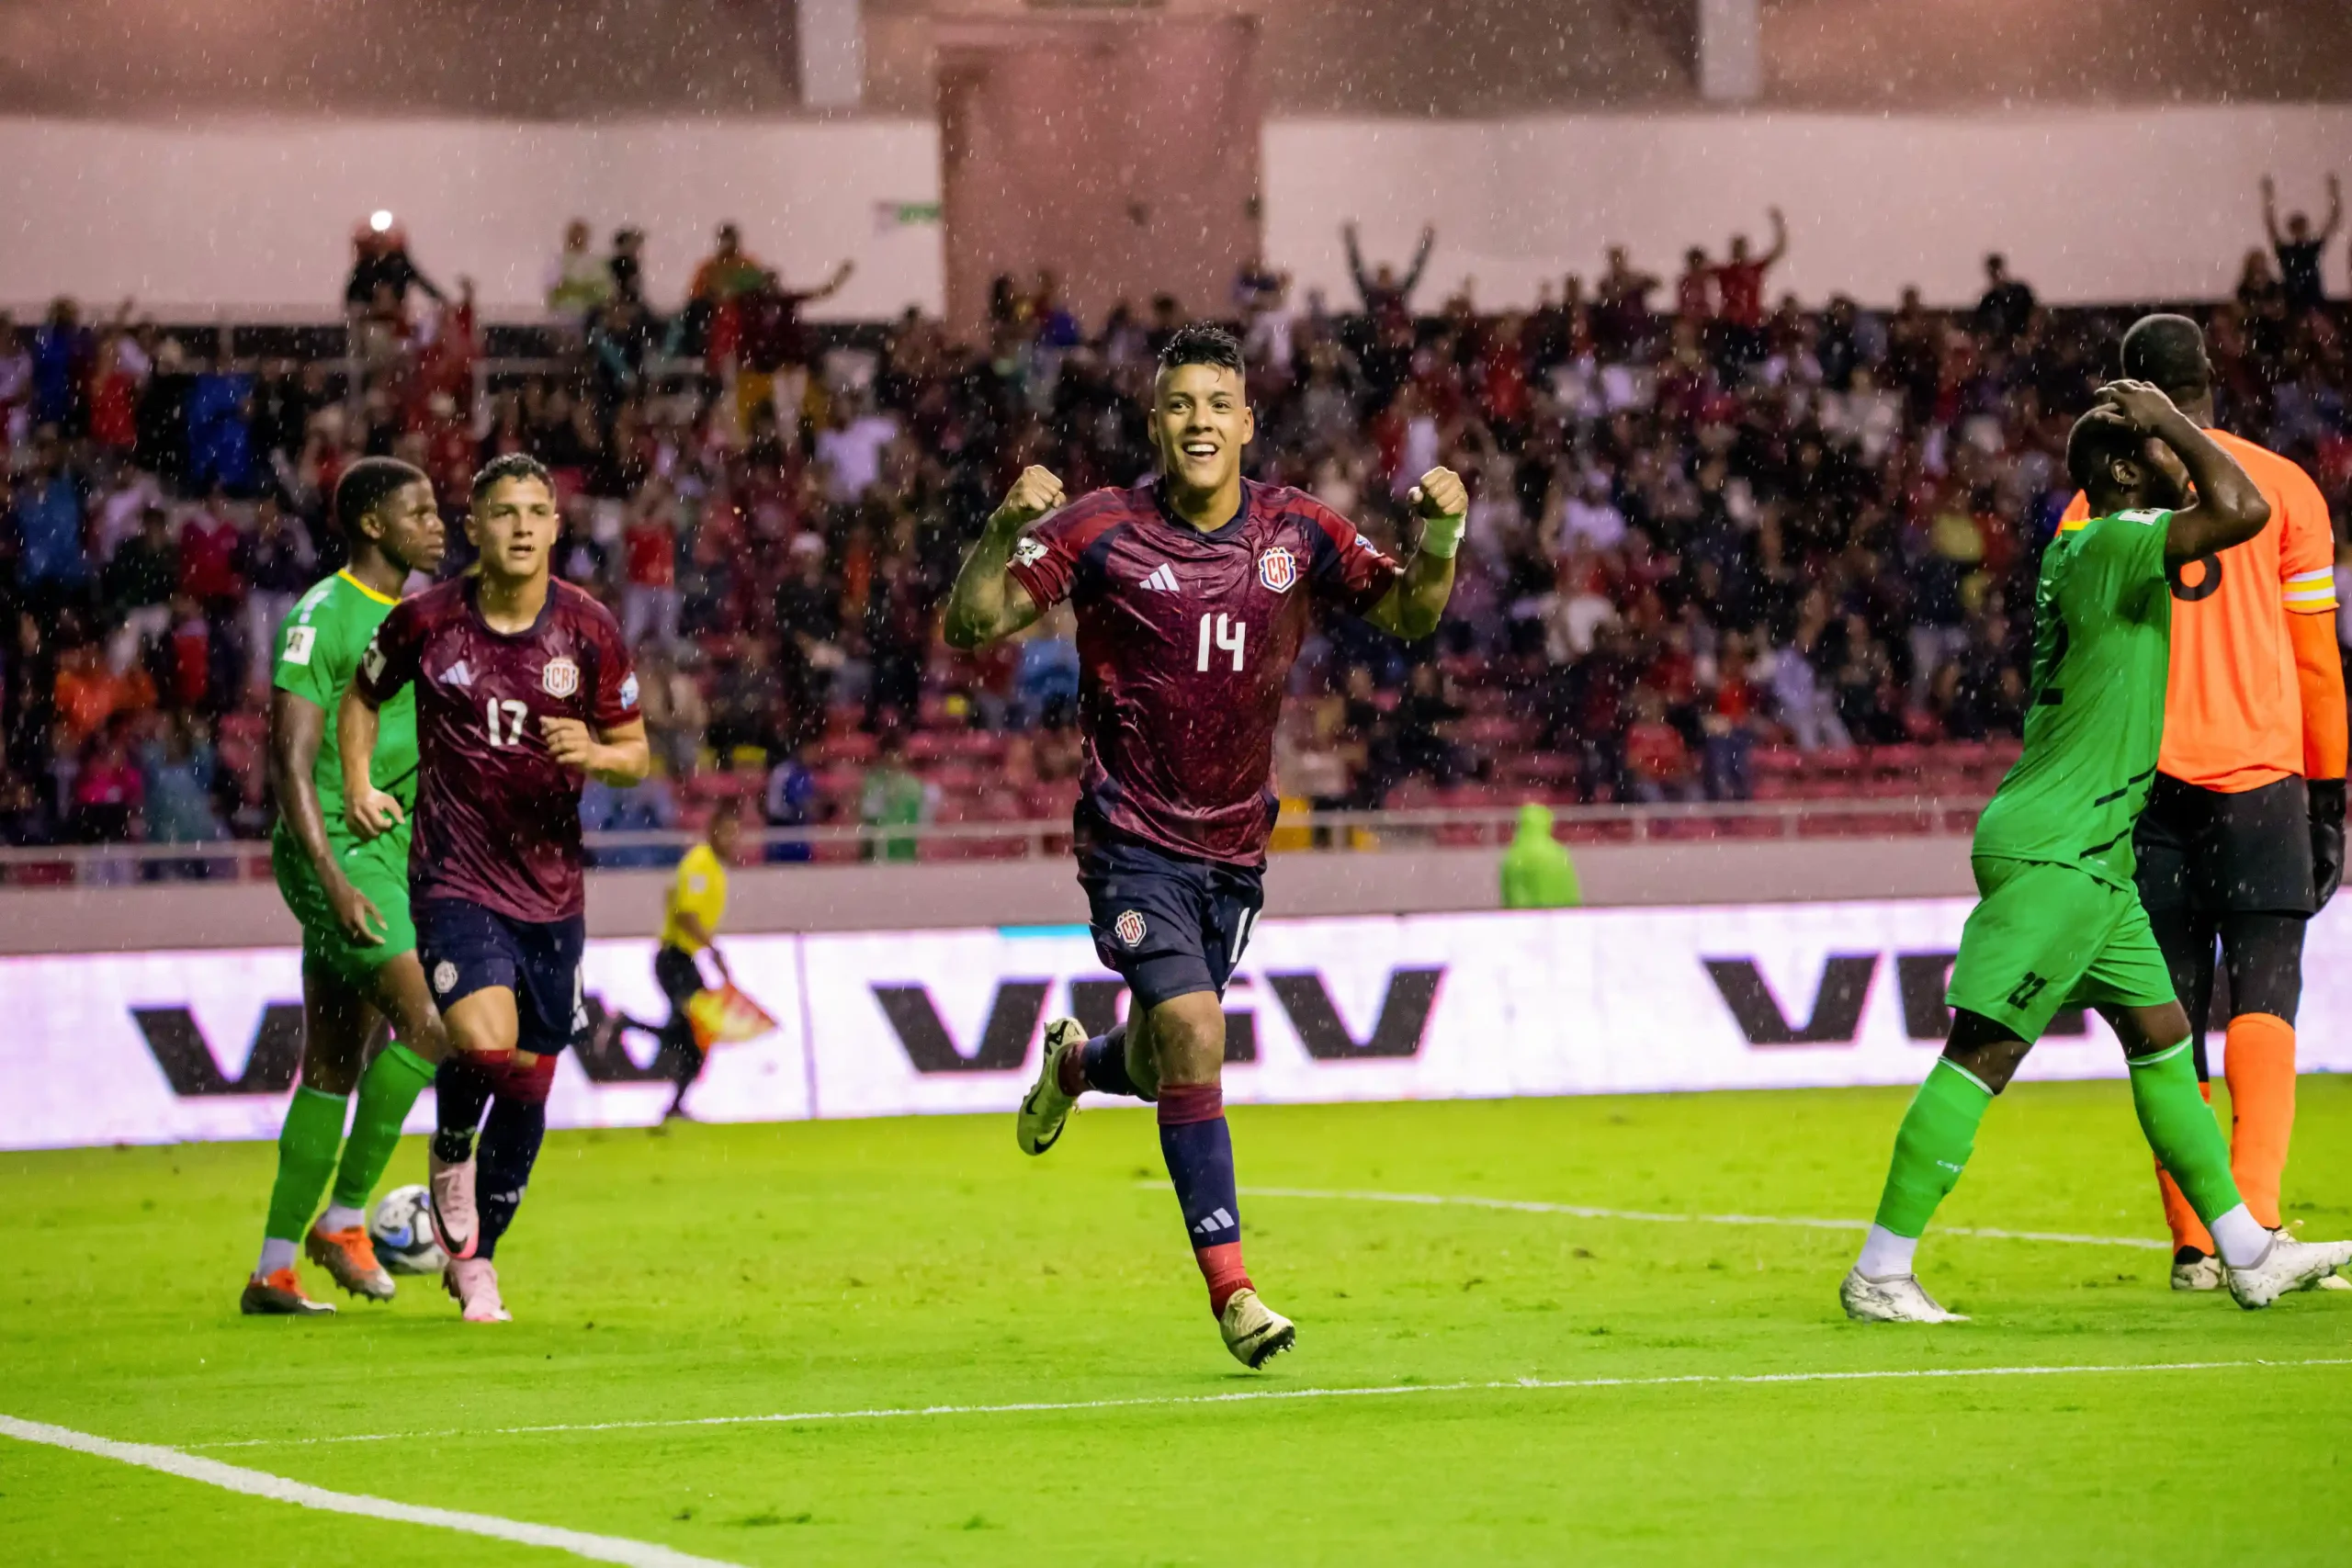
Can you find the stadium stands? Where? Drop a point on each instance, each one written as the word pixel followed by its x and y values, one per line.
pixel 1780 556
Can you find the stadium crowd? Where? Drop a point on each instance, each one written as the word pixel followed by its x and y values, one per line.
pixel 1715 540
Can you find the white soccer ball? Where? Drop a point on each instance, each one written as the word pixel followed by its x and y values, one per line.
pixel 401 1228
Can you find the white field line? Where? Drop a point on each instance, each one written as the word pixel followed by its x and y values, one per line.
pixel 1584 1212
pixel 277 1489
pixel 1260 1395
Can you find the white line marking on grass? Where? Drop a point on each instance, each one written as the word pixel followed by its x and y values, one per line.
pixel 1254 1395
pixel 1587 1213
pixel 277 1489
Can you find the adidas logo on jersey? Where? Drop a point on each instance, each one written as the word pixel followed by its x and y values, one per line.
pixel 457 675
pixel 1163 579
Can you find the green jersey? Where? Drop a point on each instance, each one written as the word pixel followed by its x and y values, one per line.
pixel 319 649
pixel 2102 645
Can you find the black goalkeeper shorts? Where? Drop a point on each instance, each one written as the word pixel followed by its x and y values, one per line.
pixel 2246 852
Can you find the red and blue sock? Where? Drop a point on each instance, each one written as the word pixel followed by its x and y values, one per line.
pixel 1099 1064
pixel 510 1147
pixel 1198 1147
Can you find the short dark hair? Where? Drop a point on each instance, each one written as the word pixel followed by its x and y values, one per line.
pixel 366 485
pixel 2100 439
pixel 513 466
pixel 1197 343
pixel 2170 352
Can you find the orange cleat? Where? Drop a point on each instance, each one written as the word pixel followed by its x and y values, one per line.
pixel 350 1257
pixel 281 1295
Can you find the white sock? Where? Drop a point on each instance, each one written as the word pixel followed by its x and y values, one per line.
pixel 341 1217
pixel 2240 1236
pixel 275 1255
pixel 1886 1256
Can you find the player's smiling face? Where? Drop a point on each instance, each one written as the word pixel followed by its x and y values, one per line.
pixel 514 526
pixel 1200 422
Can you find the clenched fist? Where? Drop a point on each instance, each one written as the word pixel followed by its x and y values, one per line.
pixel 1441 493
pixel 1033 494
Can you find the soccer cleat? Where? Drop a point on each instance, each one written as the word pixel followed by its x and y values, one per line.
pixel 454 1219
pixel 2195 1271
pixel 349 1257
pixel 1045 1111
pixel 1900 1300
pixel 472 1283
pixel 281 1295
pixel 1253 1331
pixel 2333 1282
pixel 2287 1265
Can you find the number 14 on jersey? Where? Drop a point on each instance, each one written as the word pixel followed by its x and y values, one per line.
pixel 1222 633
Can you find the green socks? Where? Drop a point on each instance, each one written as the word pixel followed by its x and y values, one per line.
pixel 389 1087
pixel 306 1149
pixel 2181 1129
pixel 1933 1146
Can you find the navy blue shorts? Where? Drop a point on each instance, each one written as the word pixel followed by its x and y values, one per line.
pixel 466 948
pixel 1170 925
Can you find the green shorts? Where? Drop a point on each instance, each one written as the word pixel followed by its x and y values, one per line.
pixel 2045 936
pixel 379 870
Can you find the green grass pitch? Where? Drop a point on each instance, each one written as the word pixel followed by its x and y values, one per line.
pixel 862 1266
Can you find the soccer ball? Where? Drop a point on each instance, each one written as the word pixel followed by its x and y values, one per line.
pixel 403 1230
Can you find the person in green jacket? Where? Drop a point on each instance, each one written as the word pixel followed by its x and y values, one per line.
pixel 1537 872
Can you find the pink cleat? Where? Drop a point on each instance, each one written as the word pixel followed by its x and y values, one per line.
pixel 472 1283
pixel 454 1215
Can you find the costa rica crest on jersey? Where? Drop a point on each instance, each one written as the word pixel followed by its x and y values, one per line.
pixel 560 677
pixel 1277 568
pixel 1128 927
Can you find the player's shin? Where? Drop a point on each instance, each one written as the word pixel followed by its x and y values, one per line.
pixel 306 1149
pixel 387 1091
pixel 1101 1065
pixel 461 1089
pixel 1931 1148
pixel 510 1147
pixel 1198 1147
pixel 2180 1128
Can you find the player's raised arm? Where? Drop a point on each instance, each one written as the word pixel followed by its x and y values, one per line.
pixel 2229 508
pixel 987 601
pixel 1410 610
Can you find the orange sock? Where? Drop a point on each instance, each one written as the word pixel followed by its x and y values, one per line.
pixel 2187 1230
pixel 2259 1059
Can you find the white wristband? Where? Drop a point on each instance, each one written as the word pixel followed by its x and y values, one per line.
pixel 1443 535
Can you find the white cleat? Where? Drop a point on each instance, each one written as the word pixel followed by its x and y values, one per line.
pixel 472 1283
pixel 1900 1300
pixel 1045 1111
pixel 2287 1265
pixel 1253 1331
pixel 2201 1272
pixel 2334 1282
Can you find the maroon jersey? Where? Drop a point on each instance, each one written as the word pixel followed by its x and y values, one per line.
pixel 497 818
pixel 1186 641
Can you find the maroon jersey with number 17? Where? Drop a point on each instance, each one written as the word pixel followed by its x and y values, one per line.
pixel 497 818
pixel 1185 642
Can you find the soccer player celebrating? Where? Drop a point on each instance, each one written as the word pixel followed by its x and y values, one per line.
pixel 523 690
pixel 1193 596
pixel 2242 839
pixel 360 965
pixel 2059 922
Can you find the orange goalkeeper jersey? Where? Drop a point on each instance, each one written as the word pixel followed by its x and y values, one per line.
pixel 2233 711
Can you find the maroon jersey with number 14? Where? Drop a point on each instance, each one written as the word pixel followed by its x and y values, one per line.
pixel 1185 642
pixel 497 818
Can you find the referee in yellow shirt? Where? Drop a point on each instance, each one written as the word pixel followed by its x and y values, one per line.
pixel 691 912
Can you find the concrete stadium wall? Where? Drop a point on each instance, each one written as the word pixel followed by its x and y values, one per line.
pixel 1041 893
pixel 258 215
pixel 2091 205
